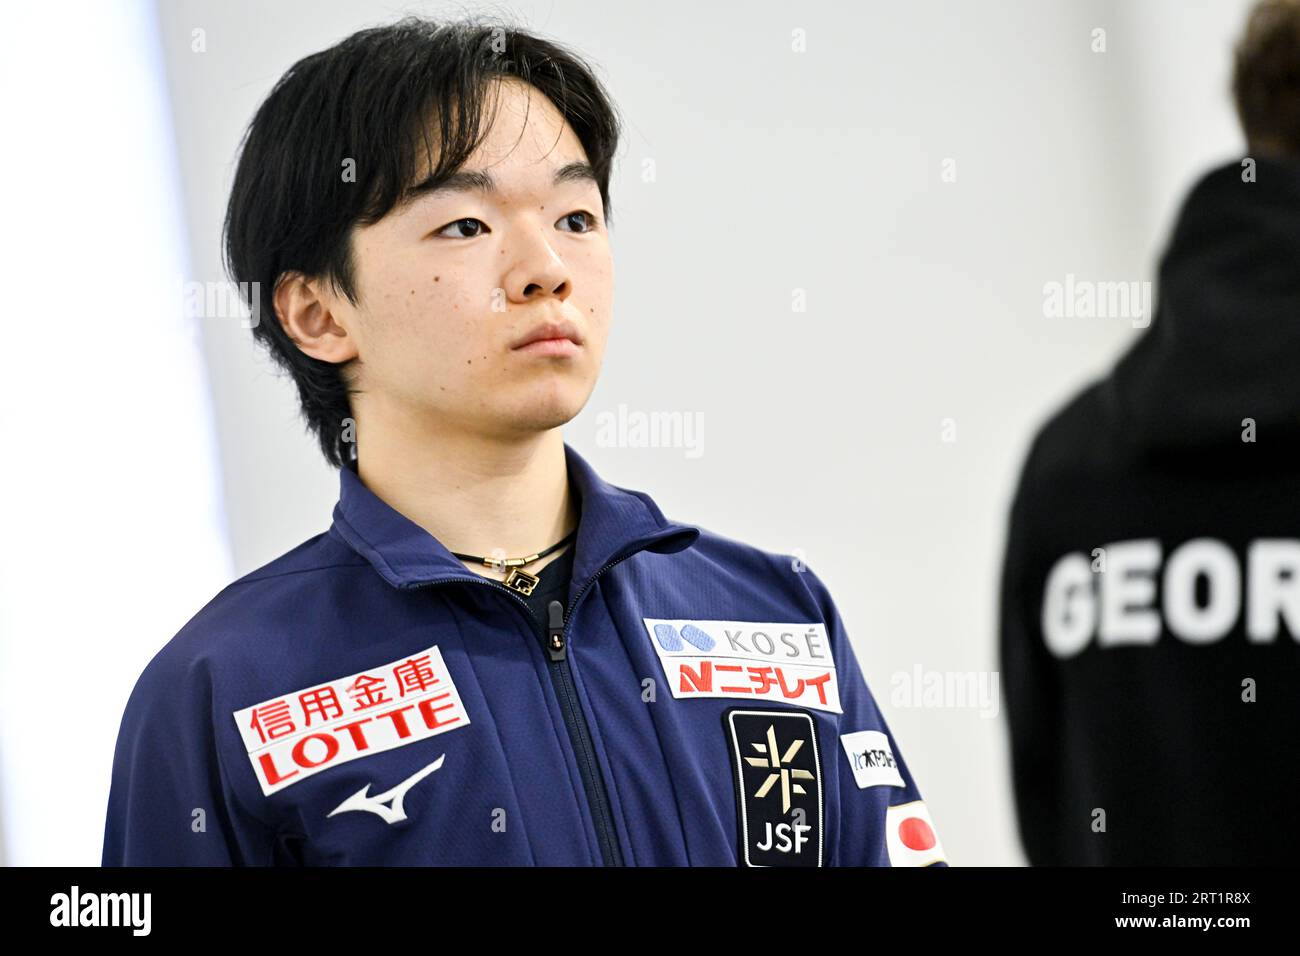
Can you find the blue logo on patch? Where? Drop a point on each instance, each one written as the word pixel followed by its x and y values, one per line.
pixel 670 640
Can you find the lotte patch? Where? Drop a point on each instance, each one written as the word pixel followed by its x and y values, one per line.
pixel 299 734
pixel 776 769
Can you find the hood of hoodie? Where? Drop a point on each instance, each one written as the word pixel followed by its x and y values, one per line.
pixel 1224 342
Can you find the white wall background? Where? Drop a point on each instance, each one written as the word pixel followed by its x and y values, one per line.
pixel 776 171
pixel 112 533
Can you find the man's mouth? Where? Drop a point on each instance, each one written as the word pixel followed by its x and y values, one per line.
pixel 557 337
pixel 559 347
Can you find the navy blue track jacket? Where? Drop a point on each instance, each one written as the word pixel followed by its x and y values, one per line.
pixel 365 699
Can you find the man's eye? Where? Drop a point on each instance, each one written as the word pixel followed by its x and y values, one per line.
pixel 461 225
pixel 583 217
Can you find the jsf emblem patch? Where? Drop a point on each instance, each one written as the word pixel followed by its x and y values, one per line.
pixel 776 767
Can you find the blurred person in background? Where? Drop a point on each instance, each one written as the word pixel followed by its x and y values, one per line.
pixel 1150 602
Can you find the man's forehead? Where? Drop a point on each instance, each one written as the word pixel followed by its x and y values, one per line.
pixel 513 174
pixel 526 147
pixel 503 180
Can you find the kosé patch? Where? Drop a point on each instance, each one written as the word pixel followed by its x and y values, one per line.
pixel 872 759
pixel 789 663
pixel 776 768
pixel 291 737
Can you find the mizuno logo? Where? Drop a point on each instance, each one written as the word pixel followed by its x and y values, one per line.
pixel 388 804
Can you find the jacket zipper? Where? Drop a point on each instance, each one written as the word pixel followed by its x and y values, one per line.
pixel 579 733
pixel 556 646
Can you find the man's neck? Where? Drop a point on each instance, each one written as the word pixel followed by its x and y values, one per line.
pixel 477 495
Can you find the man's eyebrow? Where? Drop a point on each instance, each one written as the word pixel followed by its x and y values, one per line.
pixel 480 180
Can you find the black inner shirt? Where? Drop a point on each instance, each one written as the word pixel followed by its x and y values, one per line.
pixel 553 586
pixel 554 578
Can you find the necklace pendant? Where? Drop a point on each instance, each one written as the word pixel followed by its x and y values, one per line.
pixel 521 581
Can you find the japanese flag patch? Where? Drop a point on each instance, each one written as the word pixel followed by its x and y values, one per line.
pixel 910 836
pixel 293 736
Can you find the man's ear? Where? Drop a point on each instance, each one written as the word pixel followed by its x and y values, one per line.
pixel 303 308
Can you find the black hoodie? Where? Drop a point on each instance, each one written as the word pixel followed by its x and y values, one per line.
pixel 1150 618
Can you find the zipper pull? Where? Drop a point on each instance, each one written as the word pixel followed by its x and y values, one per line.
pixel 555 633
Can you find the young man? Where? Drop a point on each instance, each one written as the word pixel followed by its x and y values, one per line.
pixel 1151 590
pixel 426 209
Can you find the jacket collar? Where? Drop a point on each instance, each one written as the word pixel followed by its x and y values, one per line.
pixel 613 523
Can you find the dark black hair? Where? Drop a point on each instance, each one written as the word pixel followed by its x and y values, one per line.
pixel 1266 77
pixel 375 98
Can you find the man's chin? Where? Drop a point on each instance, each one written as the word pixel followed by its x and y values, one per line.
pixel 545 411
